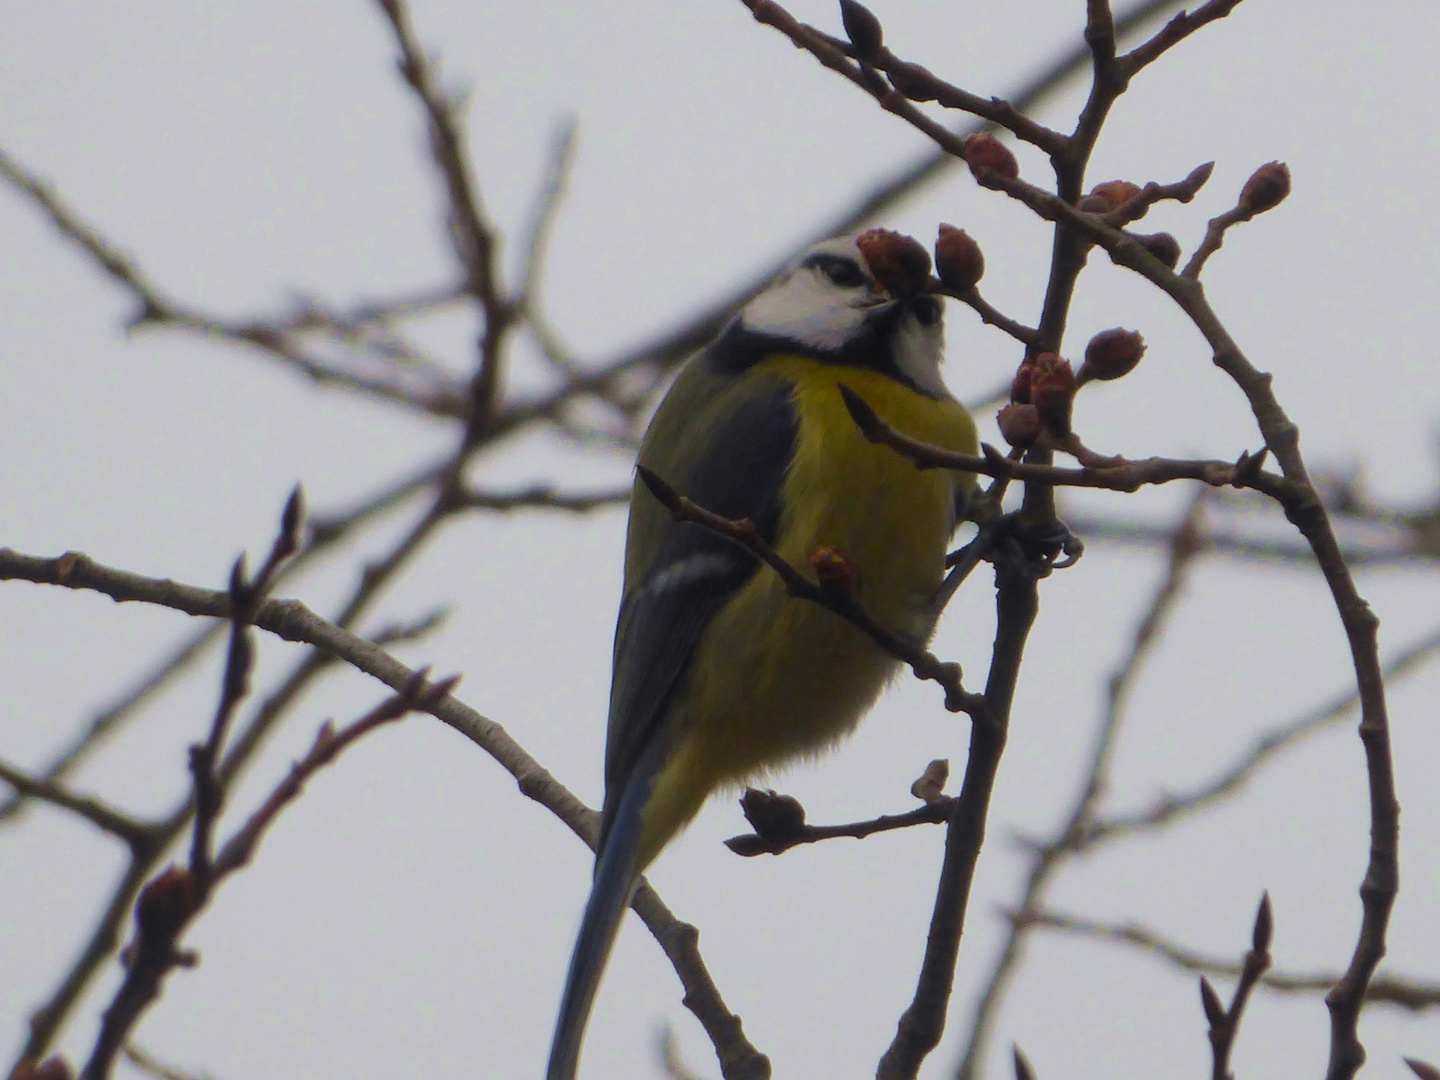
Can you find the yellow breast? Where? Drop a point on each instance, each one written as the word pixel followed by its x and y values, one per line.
pixel 775 677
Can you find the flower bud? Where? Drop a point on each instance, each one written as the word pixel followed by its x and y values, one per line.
pixel 914 81
pixel 1163 246
pixel 1108 196
pixel 984 151
pixel 958 259
pixel 835 571
pixel 772 815
pixel 1111 354
pixel 898 262
pixel 1266 189
pixel 862 28
pixel 1020 385
pixel 1052 392
pixel 930 786
pixel 165 902
pixel 1019 425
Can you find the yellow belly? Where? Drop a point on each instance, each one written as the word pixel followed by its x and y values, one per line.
pixel 774 677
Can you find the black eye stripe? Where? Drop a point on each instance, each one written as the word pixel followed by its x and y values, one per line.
pixel 841 271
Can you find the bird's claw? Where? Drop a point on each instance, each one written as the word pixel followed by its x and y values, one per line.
pixel 1033 550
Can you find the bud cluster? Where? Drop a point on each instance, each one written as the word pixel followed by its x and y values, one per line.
pixel 1042 397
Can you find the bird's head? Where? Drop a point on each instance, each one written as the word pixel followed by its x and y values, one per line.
pixel 847 301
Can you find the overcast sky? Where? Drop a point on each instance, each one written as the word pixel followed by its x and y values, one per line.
pixel 413 914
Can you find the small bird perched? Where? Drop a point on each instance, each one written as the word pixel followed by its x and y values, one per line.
pixel 718 674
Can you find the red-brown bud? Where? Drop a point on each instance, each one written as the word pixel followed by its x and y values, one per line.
pixel 898 262
pixel 1020 385
pixel 1266 189
pixel 772 815
pixel 862 28
pixel 1020 425
pixel 984 151
pixel 1108 196
pixel 835 571
pixel 958 259
pixel 1052 392
pixel 914 81
pixel 166 902
pixel 1111 354
pixel 1163 246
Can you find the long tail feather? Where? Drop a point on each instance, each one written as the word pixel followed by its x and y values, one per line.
pixel 616 874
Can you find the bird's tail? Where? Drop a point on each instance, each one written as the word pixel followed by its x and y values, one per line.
pixel 616 874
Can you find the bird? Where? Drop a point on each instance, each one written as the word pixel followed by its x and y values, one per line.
pixel 719 676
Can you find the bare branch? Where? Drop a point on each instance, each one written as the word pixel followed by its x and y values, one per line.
pixel 1114 474
pixel 135 833
pixel 292 621
pixel 1186 545
pixel 1174 32
pixel 1393 990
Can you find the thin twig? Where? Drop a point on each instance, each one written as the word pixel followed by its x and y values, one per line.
pixel 101 815
pixel 169 903
pixel 1225 1023
pixel 1400 992
pixel 153 1066
pixel 1170 808
pixel 542 220
pixel 920 1026
pixel 751 844
pixel 1112 474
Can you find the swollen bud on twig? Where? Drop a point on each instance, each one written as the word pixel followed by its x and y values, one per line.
pixel 1052 392
pixel 1163 246
pixel 1210 1001
pixel 1020 425
pixel 958 259
pixel 1023 1071
pixel 166 902
pixel 929 788
pixel 1266 189
pixel 862 28
pixel 984 151
pixel 1264 925
pixel 914 81
pixel 1108 196
pixel 1111 354
pixel 835 571
pixel 898 262
pixel 772 815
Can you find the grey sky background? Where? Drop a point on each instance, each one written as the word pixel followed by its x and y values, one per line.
pixel 413 914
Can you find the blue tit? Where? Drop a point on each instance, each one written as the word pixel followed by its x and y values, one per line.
pixel 718 674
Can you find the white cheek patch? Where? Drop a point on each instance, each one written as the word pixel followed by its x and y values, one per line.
pixel 691 569
pixel 805 310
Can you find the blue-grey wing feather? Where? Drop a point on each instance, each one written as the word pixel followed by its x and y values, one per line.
pixel 739 474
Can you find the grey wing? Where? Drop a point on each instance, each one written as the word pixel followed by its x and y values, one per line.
pixel 738 474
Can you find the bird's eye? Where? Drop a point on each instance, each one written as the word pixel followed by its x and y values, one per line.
pixel 840 271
